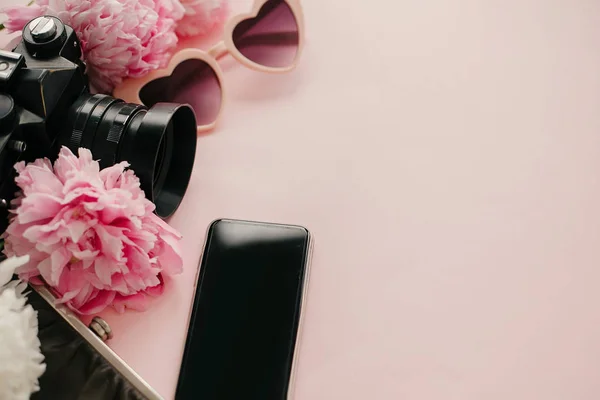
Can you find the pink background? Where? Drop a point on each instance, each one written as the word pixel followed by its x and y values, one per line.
pixel 446 157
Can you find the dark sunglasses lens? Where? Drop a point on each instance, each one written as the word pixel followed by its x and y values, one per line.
pixel 192 82
pixel 271 38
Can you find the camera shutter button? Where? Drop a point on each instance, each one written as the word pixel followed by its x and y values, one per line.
pixel 42 29
pixel 7 112
pixel 44 37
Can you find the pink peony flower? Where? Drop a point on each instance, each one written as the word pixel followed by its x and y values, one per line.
pixel 119 38
pixel 19 16
pixel 91 234
pixel 202 17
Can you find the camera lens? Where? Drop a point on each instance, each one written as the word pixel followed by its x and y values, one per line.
pixel 159 143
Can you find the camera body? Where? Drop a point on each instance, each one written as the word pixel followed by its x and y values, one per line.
pixel 39 80
pixel 45 103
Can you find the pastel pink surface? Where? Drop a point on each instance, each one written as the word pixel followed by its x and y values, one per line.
pixel 446 157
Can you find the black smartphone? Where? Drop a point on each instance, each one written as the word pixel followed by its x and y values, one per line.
pixel 246 312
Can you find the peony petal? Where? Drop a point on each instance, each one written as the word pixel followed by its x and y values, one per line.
pixel 84 295
pixel 74 285
pixel 134 282
pixel 169 258
pixel 77 229
pixel 40 178
pixel 85 157
pixel 120 285
pixel 36 281
pixel 111 175
pixel 151 279
pixel 85 255
pixel 80 182
pixel 19 16
pixel 37 207
pixel 202 17
pixel 103 269
pixel 66 164
pixel 48 248
pixel 138 302
pixel 93 279
pixel 110 245
pixel 45 268
pixel 158 289
pixel 97 302
pixel 44 235
pixel 85 192
pixel 59 259
pixel 137 259
pixel 163 226
pixel 112 212
pixel 143 238
pixel 68 296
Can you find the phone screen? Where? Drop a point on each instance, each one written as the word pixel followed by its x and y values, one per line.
pixel 246 312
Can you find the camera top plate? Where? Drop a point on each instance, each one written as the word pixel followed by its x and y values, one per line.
pixel 10 63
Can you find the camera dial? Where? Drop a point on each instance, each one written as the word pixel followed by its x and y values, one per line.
pixel 44 36
pixel 42 29
pixel 7 112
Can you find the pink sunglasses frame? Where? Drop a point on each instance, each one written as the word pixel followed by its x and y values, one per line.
pixel 129 90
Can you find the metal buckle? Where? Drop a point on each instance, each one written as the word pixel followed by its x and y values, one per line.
pixel 101 328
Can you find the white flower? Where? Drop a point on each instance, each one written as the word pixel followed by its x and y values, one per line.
pixel 20 356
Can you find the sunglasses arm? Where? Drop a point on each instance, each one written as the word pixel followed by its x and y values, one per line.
pixel 218 50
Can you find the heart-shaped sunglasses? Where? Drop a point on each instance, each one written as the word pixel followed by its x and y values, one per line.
pixel 267 39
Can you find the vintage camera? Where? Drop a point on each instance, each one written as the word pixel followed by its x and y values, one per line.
pixel 45 103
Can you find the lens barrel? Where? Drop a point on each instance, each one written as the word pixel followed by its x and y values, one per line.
pixel 159 143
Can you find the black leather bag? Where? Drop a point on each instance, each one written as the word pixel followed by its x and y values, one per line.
pixel 79 365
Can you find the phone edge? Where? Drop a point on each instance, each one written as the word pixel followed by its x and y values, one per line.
pixel 291 391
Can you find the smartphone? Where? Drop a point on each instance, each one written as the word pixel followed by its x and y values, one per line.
pixel 246 312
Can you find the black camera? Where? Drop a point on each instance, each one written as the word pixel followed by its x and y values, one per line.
pixel 45 103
